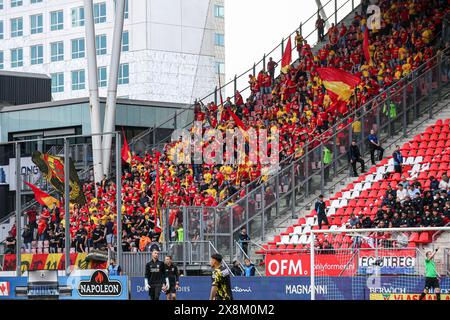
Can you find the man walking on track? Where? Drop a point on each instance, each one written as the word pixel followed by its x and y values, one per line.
pixel 154 276
pixel 431 276
pixel 221 283
pixel 172 278
pixel 320 207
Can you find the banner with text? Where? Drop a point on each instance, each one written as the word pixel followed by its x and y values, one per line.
pixel 300 264
pixel 49 261
pixel 297 288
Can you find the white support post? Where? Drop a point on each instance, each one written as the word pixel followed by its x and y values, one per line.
pixel 110 109
pixel 311 248
pixel 94 102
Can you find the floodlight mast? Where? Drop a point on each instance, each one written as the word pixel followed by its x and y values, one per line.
pixel 94 102
pixel 110 110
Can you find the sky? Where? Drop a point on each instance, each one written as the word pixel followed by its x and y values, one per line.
pixel 255 27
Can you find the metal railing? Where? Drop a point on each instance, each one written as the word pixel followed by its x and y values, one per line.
pixel 340 9
pixel 184 253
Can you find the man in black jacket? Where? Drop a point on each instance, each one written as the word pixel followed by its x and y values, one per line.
pixel 355 156
pixel 320 207
pixel 154 276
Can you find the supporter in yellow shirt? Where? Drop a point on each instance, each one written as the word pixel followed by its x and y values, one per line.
pixel 426 35
pixel 212 192
pixel 207 177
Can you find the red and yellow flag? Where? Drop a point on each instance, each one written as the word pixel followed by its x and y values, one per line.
pixel 125 152
pixel 42 197
pixel 287 57
pixel 338 82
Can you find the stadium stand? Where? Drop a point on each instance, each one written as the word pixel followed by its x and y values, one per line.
pixel 297 105
pixel 366 200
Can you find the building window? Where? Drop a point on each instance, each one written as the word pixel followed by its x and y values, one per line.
pixel 1 60
pixel 125 41
pixel 219 39
pixel 16 58
pixel 77 48
pixel 16 27
pixel 78 80
pixel 100 12
pixel 124 73
pixel 78 17
pixel 101 75
pixel 57 82
pixel 16 3
pixel 36 24
pixel 219 11
pixel 100 44
pixel 125 11
pixel 220 67
pixel 57 51
pixel 35 1
pixel 1 4
pixel 1 29
pixel 37 54
pixel 56 20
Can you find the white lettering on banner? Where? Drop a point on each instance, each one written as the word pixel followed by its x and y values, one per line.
pixel 238 289
pixel 390 262
pixel 305 289
pixel 140 289
pixel 285 267
pixel 327 266
pixel 387 290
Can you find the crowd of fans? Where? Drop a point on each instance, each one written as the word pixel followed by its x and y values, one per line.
pixel 295 103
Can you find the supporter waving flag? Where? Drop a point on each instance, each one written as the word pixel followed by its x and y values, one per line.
pixel 236 119
pixel 338 82
pixel 287 57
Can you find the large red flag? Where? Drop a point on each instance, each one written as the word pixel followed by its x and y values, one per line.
pixel 366 46
pixel 125 152
pixel 338 82
pixel 287 57
pixel 42 197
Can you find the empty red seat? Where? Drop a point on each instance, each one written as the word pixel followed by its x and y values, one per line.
pixel 414 237
pixel 424 237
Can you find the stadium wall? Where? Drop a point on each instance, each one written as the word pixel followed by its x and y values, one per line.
pixel 255 288
pixel 299 288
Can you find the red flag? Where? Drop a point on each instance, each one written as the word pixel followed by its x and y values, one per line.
pixel 157 185
pixel 236 119
pixel 158 217
pixel 42 197
pixel 366 45
pixel 125 152
pixel 287 57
